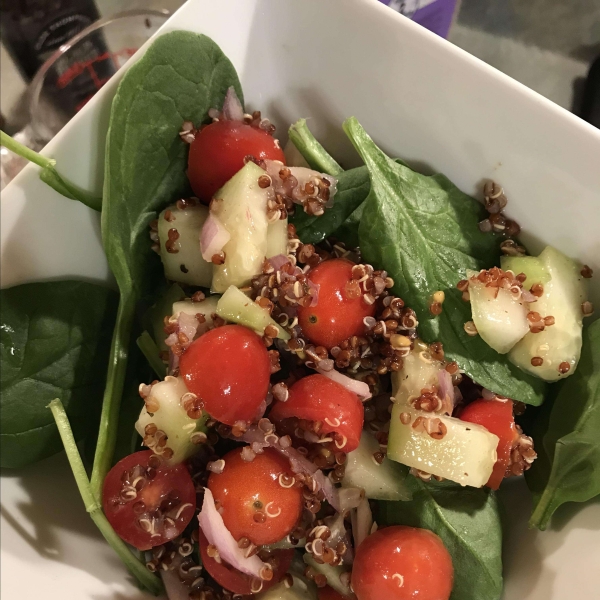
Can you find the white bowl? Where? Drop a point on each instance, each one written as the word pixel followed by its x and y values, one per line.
pixel 422 99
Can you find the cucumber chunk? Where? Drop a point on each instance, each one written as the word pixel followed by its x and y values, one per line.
pixel 383 481
pixel 154 319
pixel 418 372
pixel 300 590
pixel 171 418
pixel 500 318
pixel 235 306
pixel 186 265
pixel 242 208
pixel 333 574
pixel 466 454
pixel 277 238
pixel 532 266
pixel 563 295
pixel 206 307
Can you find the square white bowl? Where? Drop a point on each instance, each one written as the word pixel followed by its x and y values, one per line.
pixel 421 99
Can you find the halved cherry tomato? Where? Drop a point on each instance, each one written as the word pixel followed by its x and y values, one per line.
pixel 497 417
pixel 229 369
pixel 318 398
pixel 328 593
pixel 402 563
pixel 252 501
pixel 237 582
pixel 337 316
pixel 146 504
pixel 217 154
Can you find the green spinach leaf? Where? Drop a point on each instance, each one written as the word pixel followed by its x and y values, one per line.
pixel 315 155
pixel 181 76
pixel 567 436
pixel 352 190
pixel 54 341
pixel 423 231
pixel 468 522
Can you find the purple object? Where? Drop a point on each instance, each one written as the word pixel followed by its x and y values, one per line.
pixel 435 15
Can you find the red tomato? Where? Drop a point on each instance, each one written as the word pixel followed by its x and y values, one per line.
pixel 163 506
pixel 328 593
pixel 251 500
pixel 402 563
pixel 217 154
pixel 229 369
pixel 336 317
pixel 497 417
pixel 318 398
pixel 237 582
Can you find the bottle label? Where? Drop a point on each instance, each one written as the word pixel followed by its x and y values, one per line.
pixel 58 32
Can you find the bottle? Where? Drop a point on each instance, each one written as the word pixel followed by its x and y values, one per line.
pixel 435 15
pixel 32 30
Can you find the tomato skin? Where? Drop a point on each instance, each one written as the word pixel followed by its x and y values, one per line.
pixel 417 555
pixel 318 398
pixel 336 317
pixel 243 484
pixel 235 581
pixel 229 369
pixel 497 417
pixel 218 150
pixel 123 517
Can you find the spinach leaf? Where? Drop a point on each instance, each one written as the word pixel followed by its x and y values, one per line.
pixel 568 438
pixel 468 522
pixel 49 175
pixel 315 155
pixel 54 341
pixel 423 231
pixel 181 76
pixel 352 190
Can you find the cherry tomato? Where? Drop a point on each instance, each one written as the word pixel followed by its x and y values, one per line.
pixel 337 315
pixel 328 593
pixel 217 154
pixel 497 417
pixel 318 398
pixel 251 499
pixel 229 369
pixel 237 582
pixel 402 563
pixel 147 503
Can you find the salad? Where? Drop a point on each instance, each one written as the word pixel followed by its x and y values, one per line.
pixel 313 380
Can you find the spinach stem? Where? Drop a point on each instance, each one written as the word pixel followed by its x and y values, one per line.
pixel 315 155
pixel 24 151
pixel 115 380
pixel 93 507
pixel 152 353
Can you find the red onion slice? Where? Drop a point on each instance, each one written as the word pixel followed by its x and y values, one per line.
pixel 362 522
pixel 232 107
pixel 219 536
pixel 213 237
pixel 349 498
pixel 175 588
pixel 314 292
pixel 278 261
pixel 360 388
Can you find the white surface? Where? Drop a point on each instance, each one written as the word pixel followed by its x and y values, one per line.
pixel 422 99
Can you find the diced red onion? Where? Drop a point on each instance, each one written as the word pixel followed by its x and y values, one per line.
pixel 232 107
pixel 314 292
pixel 527 296
pixel 349 498
pixel 278 261
pixel 175 588
pixel 188 325
pixel 488 394
pixel 362 522
pixel 360 388
pixel 213 237
pixel 219 536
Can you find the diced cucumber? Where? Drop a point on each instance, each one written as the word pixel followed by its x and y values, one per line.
pixel 332 573
pixel 563 295
pixel 383 481
pixel 186 265
pixel 532 266
pixel 242 208
pixel 206 307
pixel 300 590
pixel 466 454
pixel 171 418
pixel 418 372
pixel 235 306
pixel 154 319
pixel 277 238
pixel 500 318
